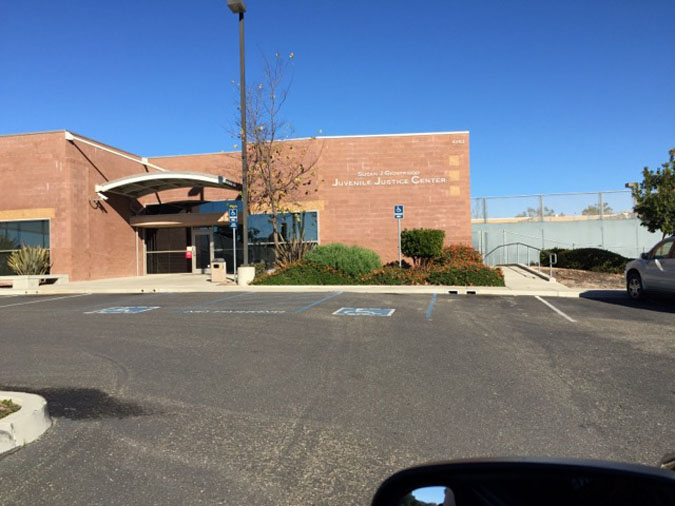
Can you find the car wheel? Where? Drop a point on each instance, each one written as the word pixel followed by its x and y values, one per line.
pixel 634 286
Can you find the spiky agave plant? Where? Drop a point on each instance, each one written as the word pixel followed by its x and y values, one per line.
pixel 292 251
pixel 29 260
pixel 295 248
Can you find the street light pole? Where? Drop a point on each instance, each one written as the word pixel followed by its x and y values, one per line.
pixel 239 7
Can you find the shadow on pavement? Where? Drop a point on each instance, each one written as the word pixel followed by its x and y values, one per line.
pixel 83 403
pixel 663 303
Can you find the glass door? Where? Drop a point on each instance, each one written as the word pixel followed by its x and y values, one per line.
pixel 202 240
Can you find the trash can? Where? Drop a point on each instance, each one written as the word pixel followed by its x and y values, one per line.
pixel 218 271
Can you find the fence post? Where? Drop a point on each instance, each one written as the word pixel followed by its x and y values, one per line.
pixel 504 259
pixel 543 241
pixel 541 208
pixel 486 245
pixel 485 215
pixel 517 252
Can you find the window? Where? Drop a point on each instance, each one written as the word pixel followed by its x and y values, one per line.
pixel 261 240
pixel 15 234
pixel 290 225
pixel 663 250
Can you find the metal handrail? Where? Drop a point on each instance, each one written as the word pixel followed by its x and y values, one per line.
pixel 552 257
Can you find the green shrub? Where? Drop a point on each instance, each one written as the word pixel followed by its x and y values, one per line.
pixel 422 244
pixel 305 273
pixel 466 274
pixel 352 260
pixel 458 253
pixel 29 260
pixel 587 259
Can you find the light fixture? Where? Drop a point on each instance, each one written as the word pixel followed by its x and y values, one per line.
pixel 237 6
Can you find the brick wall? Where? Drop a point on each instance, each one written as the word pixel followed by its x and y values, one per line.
pixel 45 176
pixel 353 207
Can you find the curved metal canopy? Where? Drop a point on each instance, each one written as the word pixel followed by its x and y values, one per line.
pixel 152 182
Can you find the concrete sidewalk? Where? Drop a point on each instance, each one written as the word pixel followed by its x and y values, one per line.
pixel 517 277
pixel 518 282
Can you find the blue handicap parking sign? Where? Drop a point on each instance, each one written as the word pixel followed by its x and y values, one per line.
pixel 124 310
pixel 398 212
pixel 364 311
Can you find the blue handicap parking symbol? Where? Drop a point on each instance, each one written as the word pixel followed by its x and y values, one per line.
pixel 123 310
pixel 364 311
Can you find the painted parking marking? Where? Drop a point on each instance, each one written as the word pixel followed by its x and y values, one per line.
pixel 123 310
pixel 324 299
pixel 555 309
pixel 430 307
pixel 129 299
pixel 235 311
pixel 45 300
pixel 260 303
pixel 216 301
pixel 364 311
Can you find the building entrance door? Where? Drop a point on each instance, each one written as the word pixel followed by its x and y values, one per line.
pixel 202 239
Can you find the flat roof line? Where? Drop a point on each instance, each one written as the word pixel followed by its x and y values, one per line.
pixel 324 137
pixel 386 135
pixel 198 154
pixel 35 133
pixel 231 152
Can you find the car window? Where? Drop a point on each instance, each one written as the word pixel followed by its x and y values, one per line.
pixel 664 250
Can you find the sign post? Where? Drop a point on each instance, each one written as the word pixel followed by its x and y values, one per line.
pixel 398 216
pixel 233 225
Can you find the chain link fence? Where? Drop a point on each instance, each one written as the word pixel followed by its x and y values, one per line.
pixel 556 207
pixel 603 219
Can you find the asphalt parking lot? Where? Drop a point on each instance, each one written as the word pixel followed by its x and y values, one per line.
pixel 314 398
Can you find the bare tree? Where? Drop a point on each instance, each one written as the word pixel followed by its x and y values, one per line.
pixel 280 171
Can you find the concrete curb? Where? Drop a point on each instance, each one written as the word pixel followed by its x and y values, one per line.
pixel 27 424
pixel 399 290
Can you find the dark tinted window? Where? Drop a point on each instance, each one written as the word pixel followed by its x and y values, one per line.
pixel 14 234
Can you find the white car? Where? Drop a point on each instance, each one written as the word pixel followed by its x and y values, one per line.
pixel 653 271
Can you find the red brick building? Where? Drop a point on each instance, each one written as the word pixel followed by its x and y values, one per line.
pixel 103 212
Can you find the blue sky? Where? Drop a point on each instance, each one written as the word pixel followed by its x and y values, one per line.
pixel 558 96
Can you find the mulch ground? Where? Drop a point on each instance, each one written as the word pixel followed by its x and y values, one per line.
pixel 586 279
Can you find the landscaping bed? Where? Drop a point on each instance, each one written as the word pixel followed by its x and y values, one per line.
pixel 587 259
pixel 575 278
pixel 336 264
pixel 7 407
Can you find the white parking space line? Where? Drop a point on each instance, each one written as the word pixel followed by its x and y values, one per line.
pixel 45 300
pixel 555 309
